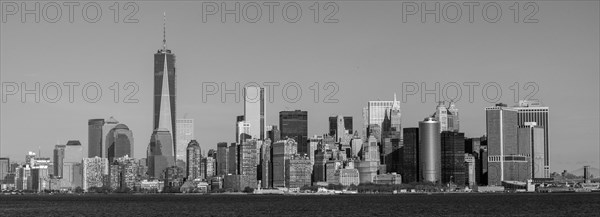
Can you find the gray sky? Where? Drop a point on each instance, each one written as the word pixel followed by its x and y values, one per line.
pixel 369 53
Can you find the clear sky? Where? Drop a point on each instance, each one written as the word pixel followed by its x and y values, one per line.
pixel 369 54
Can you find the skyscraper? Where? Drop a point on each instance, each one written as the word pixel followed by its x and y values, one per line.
pixel 73 152
pixel 165 90
pixel 294 125
pixel 375 112
pixel 4 168
pixel 222 155
pixel 506 162
pixel 160 153
pixel 531 140
pixel 119 142
pixel 430 150
pixel 255 111
pixel 453 158
pixel 282 151
pixel 98 130
pixel 185 133
pixel 161 150
pixel 410 155
pixel 59 156
pixel 531 111
pixel 194 157
pixel 447 116
pixel 95 137
pixel 339 126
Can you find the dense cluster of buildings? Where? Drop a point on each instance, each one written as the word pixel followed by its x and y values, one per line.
pixel 514 149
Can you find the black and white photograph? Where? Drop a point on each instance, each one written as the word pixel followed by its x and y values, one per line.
pixel 300 108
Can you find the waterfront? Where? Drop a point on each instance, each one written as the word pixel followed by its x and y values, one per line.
pixel 526 204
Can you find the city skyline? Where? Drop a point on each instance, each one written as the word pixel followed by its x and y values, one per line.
pixel 471 113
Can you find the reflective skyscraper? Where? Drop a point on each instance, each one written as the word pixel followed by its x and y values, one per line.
pixel 59 156
pixel 165 89
pixel 255 111
pixel 184 134
pixel 294 125
pixel 161 150
pixel 119 142
pixel 430 151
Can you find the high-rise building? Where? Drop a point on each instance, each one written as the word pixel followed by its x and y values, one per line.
pixel 340 126
pixel 59 157
pixel 506 162
pixel 531 143
pixel 375 112
pixel 209 166
pixel 94 171
pixel 160 153
pixel 298 171
pixel 98 135
pixel 95 137
pixel 165 91
pixel 194 157
pixel 410 155
pixel 185 134
pixel 248 160
pixel 255 111
pixel 119 142
pixel 369 165
pixel 294 125
pixel 447 116
pixel 266 164
pixel 282 151
pixel 73 152
pixel 4 168
pixel 222 156
pixel 243 132
pixel 531 111
pixel 232 159
pixel 430 150
pixel 453 157
pixel 273 133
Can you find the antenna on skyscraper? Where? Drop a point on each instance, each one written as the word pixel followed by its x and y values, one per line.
pixel 165 31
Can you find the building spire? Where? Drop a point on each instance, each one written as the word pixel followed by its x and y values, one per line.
pixel 165 31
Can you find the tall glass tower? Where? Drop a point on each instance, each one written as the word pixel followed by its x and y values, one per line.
pixel 164 89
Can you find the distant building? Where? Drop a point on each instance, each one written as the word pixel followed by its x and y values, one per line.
pixel 255 111
pixel 388 179
pixel 185 134
pixel 531 143
pixel 447 116
pixel 339 126
pixel 294 125
pixel 470 170
pixel 298 172
pixel 4 169
pixel 430 150
pixel 173 179
pixel 348 177
pixel 194 157
pixel 532 111
pixel 282 151
pixel 160 152
pixel 453 158
pixel 119 142
pixel 248 161
pixel 222 156
pixel 266 163
pixel 94 170
pixel 59 156
pixel 506 162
